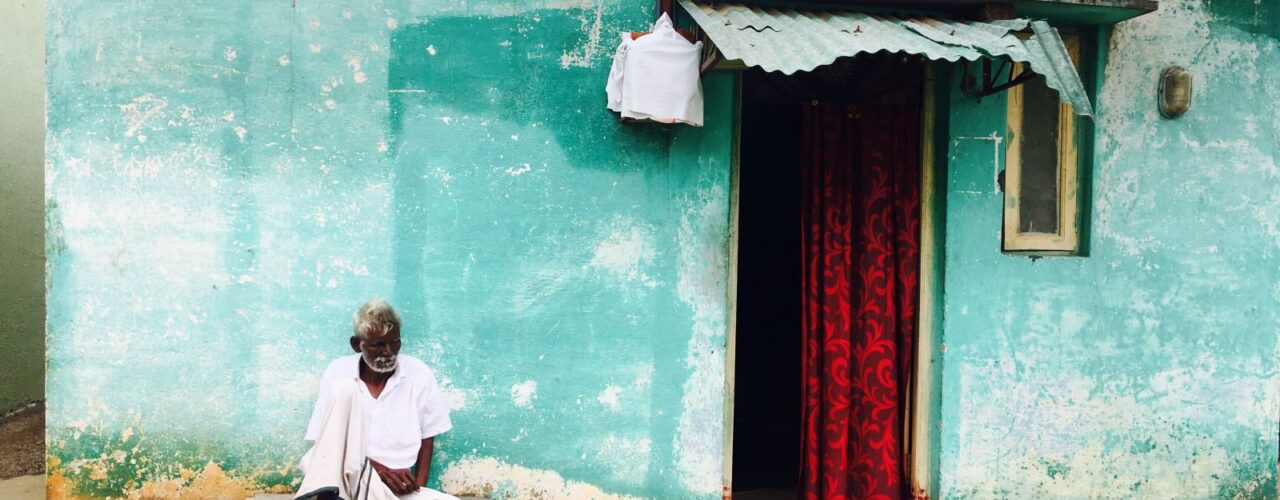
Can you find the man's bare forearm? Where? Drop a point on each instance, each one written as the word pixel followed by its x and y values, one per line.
pixel 424 461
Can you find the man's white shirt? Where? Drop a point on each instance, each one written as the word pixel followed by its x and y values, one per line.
pixel 411 408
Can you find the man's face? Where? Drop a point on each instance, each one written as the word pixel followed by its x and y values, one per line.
pixel 379 351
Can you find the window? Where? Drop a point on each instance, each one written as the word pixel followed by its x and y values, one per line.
pixel 1041 179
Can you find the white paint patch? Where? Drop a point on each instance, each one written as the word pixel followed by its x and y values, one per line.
pixel 1130 127
pixel 1057 430
pixel 229 54
pixel 626 458
pixel 1073 322
pixel 610 398
pixel 445 177
pixel 523 394
pixel 314 48
pixel 330 104
pixel 392 23
pixel 356 73
pixel 241 132
pixel 701 286
pixel 997 152
pixel 431 50
pixel 644 376
pixel 625 254
pixel 472 476
pixel 455 397
pixel 584 56
pixel 143 108
pixel 283 60
pixel 524 168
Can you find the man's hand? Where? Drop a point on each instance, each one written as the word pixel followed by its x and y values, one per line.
pixel 401 481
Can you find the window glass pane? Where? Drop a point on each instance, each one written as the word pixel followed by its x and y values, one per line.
pixel 1038 192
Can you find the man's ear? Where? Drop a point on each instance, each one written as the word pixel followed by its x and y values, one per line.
pixel 355 343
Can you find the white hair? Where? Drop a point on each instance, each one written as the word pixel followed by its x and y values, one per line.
pixel 375 316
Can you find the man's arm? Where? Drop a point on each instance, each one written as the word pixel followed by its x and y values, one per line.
pixel 424 461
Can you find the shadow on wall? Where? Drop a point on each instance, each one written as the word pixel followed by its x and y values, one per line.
pixel 499 77
pixel 1260 17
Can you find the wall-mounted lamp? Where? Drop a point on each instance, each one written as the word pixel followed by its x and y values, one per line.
pixel 1175 91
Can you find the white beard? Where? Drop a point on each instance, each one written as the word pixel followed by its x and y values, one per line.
pixel 381 364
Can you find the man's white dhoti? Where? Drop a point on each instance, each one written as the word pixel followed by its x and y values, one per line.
pixel 337 462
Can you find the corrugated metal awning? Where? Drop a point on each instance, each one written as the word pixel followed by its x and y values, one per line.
pixel 791 40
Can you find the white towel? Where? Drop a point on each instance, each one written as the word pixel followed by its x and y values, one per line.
pixel 657 77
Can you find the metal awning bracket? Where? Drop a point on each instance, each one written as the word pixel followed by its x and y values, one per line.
pixel 991 80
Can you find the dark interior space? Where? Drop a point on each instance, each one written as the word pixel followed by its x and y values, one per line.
pixel 768 385
pixel 766 444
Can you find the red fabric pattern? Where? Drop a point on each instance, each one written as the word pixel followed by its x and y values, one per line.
pixel 861 219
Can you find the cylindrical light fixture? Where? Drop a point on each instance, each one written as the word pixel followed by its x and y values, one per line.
pixel 1175 91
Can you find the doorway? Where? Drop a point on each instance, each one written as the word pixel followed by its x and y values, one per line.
pixel 770 358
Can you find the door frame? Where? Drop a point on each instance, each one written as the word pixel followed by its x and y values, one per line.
pixel 919 435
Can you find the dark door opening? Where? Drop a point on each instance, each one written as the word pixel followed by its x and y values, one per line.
pixel 766 427
pixel 768 386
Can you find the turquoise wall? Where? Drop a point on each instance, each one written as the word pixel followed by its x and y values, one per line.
pixel 228 181
pixel 21 203
pixel 1147 369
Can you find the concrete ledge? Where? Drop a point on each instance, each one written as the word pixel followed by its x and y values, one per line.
pixel 23 488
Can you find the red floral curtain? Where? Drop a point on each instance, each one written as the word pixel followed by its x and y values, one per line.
pixel 861 219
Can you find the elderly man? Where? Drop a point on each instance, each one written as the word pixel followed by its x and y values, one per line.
pixel 375 419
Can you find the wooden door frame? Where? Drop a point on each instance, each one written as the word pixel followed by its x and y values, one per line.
pixel 921 410
pixel 920 433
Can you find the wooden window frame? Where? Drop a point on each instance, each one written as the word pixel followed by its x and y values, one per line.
pixel 1067 240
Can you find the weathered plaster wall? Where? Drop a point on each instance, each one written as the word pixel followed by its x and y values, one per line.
pixel 21 202
pixel 229 180
pixel 1147 369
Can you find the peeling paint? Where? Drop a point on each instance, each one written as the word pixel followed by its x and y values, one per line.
pixel 211 482
pixel 703 229
pixel 522 394
pixel 547 259
pixel 609 397
pixel 1136 371
pixel 586 55
pixel 491 478
pixel 625 254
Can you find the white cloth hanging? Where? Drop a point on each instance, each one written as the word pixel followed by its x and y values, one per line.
pixel 656 77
